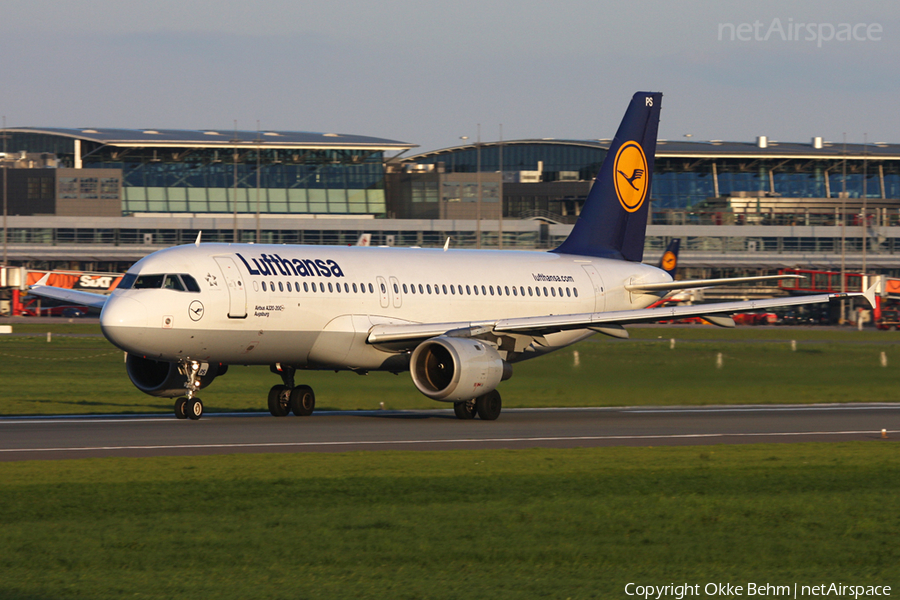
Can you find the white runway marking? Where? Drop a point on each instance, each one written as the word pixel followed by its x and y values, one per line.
pixel 444 441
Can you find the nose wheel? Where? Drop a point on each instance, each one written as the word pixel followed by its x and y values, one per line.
pixel 189 408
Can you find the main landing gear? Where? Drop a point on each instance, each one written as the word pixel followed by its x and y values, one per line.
pixel 487 407
pixel 190 407
pixel 287 398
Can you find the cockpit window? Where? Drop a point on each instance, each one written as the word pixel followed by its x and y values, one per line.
pixel 181 282
pixel 173 282
pixel 190 283
pixel 127 281
pixel 147 282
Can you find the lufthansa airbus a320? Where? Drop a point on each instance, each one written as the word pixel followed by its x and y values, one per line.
pixel 457 320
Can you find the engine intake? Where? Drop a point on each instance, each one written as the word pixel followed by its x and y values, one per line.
pixel 453 369
pixel 162 379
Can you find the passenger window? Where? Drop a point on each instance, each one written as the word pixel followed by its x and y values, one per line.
pixel 568 293
pixel 280 287
pixel 272 285
pixel 575 291
pixel 522 291
pixel 264 286
pixel 515 293
pixel 405 291
pixel 372 289
pixel 552 291
pixel 444 287
pixel 468 291
pixel 545 291
pixel 506 289
pixel 288 284
pixel 452 289
pixel 148 282
pixel 428 288
pixel 337 286
pixel 190 283
pixel 354 289
pixel 330 289
pixel 475 287
pixel 347 287
pixel 529 291
pixel 396 289
pixel 421 289
pixel 305 287
pixel 560 292
pixel 437 290
pixel 492 289
pixel 383 289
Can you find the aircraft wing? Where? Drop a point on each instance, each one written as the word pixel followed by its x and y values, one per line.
pixel 66 295
pixel 606 322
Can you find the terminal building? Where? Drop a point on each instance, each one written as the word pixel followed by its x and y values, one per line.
pixel 100 199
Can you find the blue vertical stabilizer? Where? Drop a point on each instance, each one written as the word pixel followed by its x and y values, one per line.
pixel 614 218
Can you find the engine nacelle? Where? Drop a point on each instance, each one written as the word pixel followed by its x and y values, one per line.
pixel 162 379
pixel 453 369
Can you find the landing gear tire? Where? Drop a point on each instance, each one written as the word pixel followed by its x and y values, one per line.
pixel 181 408
pixel 303 400
pixel 464 410
pixel 488 406
pixel 194 409
pixel 279 400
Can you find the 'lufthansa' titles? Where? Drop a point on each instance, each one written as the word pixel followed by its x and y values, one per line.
pixel 272 264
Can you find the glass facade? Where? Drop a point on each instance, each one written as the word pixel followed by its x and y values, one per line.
pixel 202 180
pixel 685 182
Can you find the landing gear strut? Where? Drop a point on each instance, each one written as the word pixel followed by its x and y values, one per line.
pixel 487 407
pixel 287 398
pixel 190 407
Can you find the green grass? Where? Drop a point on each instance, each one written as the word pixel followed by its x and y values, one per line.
pixel 87 374
pixel 468 524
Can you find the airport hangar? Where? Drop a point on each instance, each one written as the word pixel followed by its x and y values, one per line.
pixel 100 199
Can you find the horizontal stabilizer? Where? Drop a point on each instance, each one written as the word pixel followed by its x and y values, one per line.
pixel 686 284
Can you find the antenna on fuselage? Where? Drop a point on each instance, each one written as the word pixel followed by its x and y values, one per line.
pixel 197 241
pixel 447 244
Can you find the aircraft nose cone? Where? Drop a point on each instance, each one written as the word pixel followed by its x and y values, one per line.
pixel 123 321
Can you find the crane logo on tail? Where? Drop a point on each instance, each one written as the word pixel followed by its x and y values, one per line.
pixel 631 176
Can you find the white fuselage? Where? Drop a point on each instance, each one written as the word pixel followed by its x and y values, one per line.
pixel 313 306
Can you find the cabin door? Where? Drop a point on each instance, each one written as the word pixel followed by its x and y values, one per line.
pixel 596 287
pixel 237 293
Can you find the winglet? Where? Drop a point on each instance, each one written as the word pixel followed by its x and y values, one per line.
pixel 42 281
pixel 447 244
pixel 197 241
pixel 869 294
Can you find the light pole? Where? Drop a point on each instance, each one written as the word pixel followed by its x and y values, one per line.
pixel 478 182
pixel 5 167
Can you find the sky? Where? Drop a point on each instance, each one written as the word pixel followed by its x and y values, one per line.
pixel 430 72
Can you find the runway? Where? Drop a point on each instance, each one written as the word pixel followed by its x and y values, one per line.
pixel 51 438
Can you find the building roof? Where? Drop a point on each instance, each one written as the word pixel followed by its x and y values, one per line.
pixel 223 138
pixel 708 149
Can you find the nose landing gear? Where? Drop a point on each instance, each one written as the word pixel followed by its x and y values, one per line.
pixel 189 407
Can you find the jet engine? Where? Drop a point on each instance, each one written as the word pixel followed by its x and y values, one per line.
pixel 162 379
pixel 454 369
